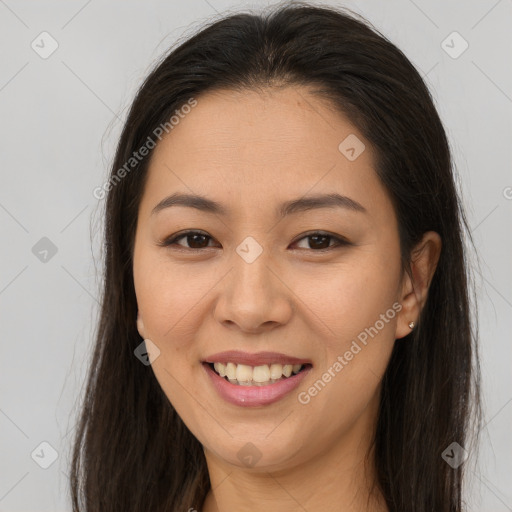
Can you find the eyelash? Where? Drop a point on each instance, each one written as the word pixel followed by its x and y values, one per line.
pixel 339 242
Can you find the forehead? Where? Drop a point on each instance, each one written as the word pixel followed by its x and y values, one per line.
pixel 249 147
pixel 287 124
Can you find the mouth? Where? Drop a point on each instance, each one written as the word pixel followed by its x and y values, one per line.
pixel 261 375
pixel 254 380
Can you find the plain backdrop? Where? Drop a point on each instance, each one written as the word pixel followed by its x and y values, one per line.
pixel 60 118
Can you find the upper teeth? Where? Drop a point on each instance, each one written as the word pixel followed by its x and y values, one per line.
pixel 263 373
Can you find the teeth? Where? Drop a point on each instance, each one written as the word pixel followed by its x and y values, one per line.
pixel 243 373
pixel 276 370
pixel 247 375
pixel 261 373
pixel 230 371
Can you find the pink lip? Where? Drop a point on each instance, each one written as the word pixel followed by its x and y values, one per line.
pixel 257 359
pixel 252 396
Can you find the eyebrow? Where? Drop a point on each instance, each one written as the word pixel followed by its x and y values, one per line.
pixel 204 204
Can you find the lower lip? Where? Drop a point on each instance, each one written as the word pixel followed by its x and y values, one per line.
pixel 252 396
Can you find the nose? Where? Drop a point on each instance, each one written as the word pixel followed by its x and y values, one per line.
pixel 254 297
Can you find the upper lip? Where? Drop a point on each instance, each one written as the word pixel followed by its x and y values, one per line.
pixel 256 359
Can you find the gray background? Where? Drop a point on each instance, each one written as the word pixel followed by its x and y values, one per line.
pixel 60 119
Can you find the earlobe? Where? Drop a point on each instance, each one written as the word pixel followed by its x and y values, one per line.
pixel 410 308
pixel 140 325
pixel 424 259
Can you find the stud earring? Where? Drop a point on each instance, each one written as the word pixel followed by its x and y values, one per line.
pixel 411 325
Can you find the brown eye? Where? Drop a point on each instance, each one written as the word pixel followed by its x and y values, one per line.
pixel 195 240
pixel 319 241
pixel 322 241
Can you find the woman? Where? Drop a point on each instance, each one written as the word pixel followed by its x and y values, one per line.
pixel 286 321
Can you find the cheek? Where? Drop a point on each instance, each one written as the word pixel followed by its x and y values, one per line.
pixel 167 299
pixel 355 318
pixel 350 298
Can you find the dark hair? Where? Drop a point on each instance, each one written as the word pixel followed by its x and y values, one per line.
pixel 132 452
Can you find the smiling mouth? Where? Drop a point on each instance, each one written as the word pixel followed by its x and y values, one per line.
pixel 263 375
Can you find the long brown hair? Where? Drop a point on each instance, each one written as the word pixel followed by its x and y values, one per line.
pixel 131 451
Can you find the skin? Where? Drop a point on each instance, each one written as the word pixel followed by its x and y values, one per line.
pixel 251 151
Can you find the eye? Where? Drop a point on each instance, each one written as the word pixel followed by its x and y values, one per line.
pixel 196 240
pixel 320 241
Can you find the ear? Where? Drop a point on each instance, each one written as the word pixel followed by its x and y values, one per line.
pixel 140 325
pixel 414 292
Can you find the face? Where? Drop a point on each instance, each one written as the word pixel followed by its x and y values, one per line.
pixel 315 284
